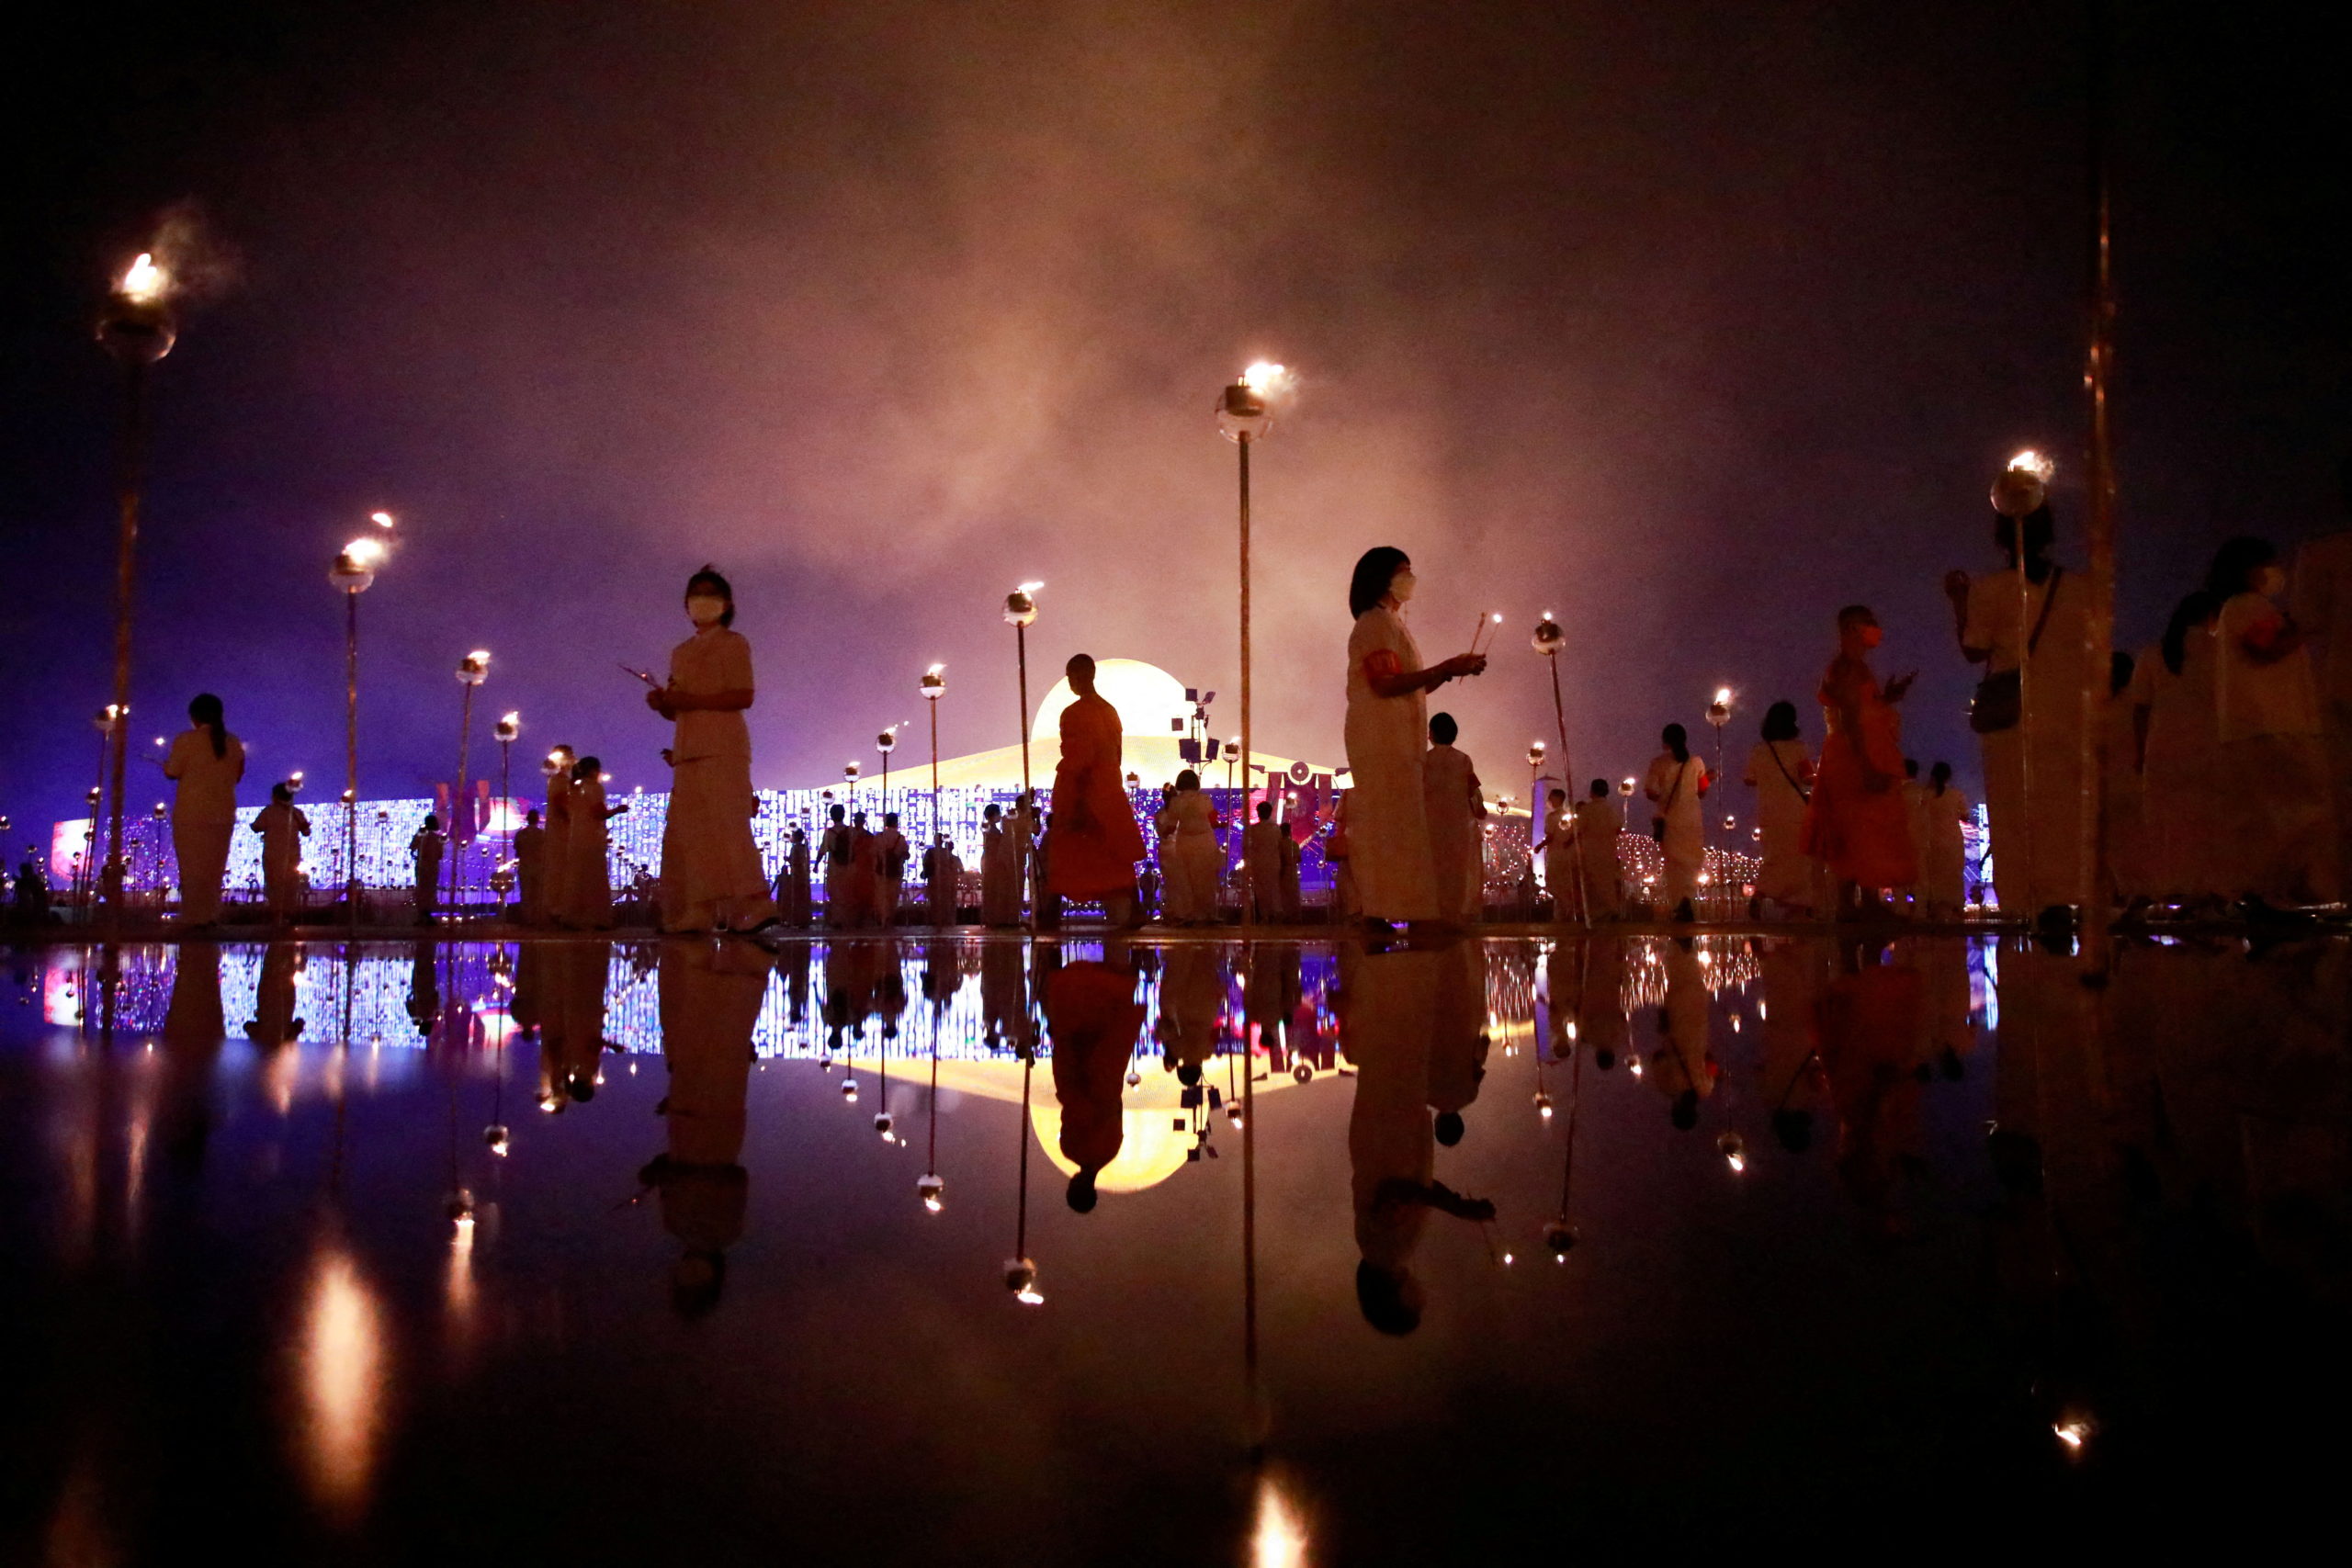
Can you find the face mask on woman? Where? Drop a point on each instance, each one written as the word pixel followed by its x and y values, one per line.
pixel 1400 587
pixel 2270 581
pixel 704 609
pixel 1874 635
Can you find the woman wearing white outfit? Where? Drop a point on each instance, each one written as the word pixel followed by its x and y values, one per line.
pixel 207 762
pixel 2266 703
pixel 1189 857
pixel 711 875
pixel 1388 834
pixel 1780 773
pixel 1676 781
pixel 2033 768
pixel 2181 788
pixel 1943 848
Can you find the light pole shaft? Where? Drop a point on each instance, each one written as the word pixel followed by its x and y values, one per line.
pixel 457 801
pixel 1243 443
pixel 351 754
pixel 2099 519
pixel 134 443
pixel 934 770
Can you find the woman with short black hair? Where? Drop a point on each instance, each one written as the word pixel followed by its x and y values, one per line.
pixel 206 761
pixel 711 875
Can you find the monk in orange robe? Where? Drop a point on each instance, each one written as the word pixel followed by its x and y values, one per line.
pixel 1093 842
pixel 1857 823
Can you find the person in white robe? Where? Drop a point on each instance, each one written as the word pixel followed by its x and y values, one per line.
pixel 2033 769
pixel 2181 786
pixel 1189 856
pixel 1914 819
pixel 1676 783
pixel 1599 827
pixel 1943 848
pixel 2267 700
pixel 1454 807
pixel 282 826
pixel 587 882
pixel 1262 853
pixel 558 849
pixel 2322 601
pixel 942 871
pixel 1387 722
pixel 711 876
pixel 207 763
pixel 892 853
pixel 999 881
pixel 1779 770
pixel 1559 851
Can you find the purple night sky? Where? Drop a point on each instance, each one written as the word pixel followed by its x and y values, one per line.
pixel 1689 322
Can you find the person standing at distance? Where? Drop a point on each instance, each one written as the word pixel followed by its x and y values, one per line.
pixel 1091 839
pixel 207 762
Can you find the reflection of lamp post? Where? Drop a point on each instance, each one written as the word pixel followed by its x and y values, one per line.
pixel 136 326
pixel 354 572
pixel 472 670
pixel 1020 1271
pixel 933 687
pixel 1243 417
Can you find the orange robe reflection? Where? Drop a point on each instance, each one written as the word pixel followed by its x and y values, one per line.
pixel 1863 834
pixel 1093 1019
pixel 1091 842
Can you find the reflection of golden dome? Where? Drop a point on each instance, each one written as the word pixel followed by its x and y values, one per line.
pixel 1151 1148
pixel 1146 696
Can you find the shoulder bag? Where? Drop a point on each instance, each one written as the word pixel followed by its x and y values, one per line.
pixel 2000 703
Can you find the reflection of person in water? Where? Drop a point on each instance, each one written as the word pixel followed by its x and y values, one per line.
pixel 1791 1079
pixel 193 1030
pixel 1004 995
pixel 710 1002
pixel 1093 1019
pixel 1867 1023
pixel 583 968
pixel 1680 1068
pixel 1458 1047
pixel 273 1023
pixel 1389 1018
pixel 424 988
pixel 1192 995
pixel 1270 994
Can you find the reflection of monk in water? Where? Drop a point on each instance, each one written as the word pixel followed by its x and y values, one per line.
pixel 852 970
pixel 424 988
pixel 581 972
pixel 1004 995
pixel 1868 1024
pixel 1270 993
pixel 273 1023
pixel 1681 1069
pixel 1459 1044
pixel 1094 1019
pixel 1191 994
pixel 1389 1015
pixel 711 995
pixel 1791 1079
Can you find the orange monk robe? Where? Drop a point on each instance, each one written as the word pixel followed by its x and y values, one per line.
pixel 1094 1019
pixel 1093 842
pixel 1863 836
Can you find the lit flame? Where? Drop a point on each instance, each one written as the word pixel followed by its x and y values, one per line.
pixel 1264 377
pixel 1280 1540
pixel 364 552
pixel 381 519
pixel 1737 1163
pixel 1722 697
pixel 1028 1295
pixel 478 656
pixel 936 670
pixel 2072 1432
pixel 1030 587
pixel 2032 462
pixel 145 282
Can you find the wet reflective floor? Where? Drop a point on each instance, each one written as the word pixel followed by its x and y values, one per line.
pixel 984 1250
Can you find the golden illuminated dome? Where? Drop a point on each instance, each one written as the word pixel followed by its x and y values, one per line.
pixel 1146 696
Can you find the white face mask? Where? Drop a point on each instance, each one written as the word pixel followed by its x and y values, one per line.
pixel 704 609
pixel 1402 585
pixel 2270 581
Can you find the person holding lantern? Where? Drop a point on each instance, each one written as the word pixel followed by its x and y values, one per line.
pixel 1387 725
pixel 557 848
pixel 711 876
pixel 1091 840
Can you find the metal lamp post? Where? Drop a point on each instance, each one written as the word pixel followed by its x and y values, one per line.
pixel 354 572
pixel 885 743
pixel 933 687
pixel 472 670
pixel 1719 715
pixel 1243 418
pixel 136 327
pixel 1020 613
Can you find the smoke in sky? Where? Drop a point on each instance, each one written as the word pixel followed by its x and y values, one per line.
pixel 1688 322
